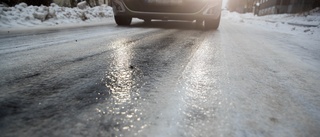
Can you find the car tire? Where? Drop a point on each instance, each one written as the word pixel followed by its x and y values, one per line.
pixel 212 24
pixel 123 20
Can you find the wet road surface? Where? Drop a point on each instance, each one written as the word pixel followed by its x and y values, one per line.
pixel 161 79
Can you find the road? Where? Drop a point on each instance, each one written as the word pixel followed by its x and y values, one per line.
pixel 166 79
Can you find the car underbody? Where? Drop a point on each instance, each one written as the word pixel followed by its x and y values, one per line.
pixel 205 12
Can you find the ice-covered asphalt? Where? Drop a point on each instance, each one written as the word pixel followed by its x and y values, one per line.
pixel 165 79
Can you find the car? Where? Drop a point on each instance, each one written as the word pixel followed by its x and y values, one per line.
pixel 204 12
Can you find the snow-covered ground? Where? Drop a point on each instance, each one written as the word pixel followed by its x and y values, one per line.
pixel 21 16
pixel 307 23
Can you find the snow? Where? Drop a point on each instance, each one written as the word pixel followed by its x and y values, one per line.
pixel 307 23
pixel 21 15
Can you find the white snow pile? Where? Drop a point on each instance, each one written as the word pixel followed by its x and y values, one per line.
pixel 22 15
pixel 306 23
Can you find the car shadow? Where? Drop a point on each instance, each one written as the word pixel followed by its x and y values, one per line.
pixel 182 25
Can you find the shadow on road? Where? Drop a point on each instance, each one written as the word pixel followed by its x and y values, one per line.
pixel 183 25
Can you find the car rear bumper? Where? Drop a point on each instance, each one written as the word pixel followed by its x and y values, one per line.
pixel 211 9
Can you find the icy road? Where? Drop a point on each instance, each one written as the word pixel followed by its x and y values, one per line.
pixel 167 79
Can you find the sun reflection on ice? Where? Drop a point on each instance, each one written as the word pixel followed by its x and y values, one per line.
pixel 123 81
pixel 202 91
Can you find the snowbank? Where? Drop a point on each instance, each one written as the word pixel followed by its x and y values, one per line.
pixel 303 23
pixel 27 16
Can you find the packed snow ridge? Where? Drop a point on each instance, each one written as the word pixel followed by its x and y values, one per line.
pixel 23 15
pixel 307 19
pixel 307 23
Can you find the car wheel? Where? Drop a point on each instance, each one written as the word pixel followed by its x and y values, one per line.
pixel 123 20
pixel 212 24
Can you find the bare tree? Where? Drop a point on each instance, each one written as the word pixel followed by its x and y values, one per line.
pixel 29 2
pixel 73 3
pixel 93 3
pixel 89 3
pixel 97 3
